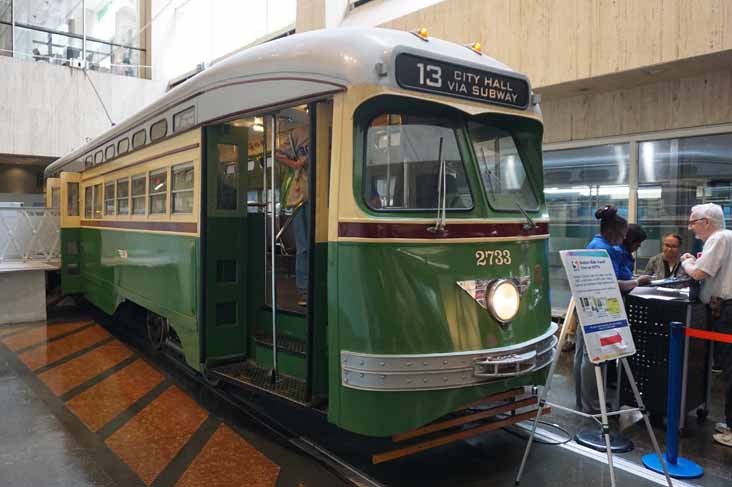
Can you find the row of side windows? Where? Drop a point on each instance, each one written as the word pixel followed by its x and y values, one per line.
pixel 158 130
pixel 143 194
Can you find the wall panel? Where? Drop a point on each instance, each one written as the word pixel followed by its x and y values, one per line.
pixel 556 41
pixel 672 104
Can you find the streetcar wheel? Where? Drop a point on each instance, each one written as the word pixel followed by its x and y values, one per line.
pixel 157 330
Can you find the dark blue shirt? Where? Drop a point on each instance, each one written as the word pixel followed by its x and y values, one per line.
pixel 599 242
pixel 627 264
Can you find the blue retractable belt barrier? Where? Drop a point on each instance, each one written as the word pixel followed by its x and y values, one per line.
pixel 678 467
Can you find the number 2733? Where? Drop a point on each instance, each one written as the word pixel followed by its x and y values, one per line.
pixel 492 257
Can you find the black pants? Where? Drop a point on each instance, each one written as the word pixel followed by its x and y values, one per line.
pixel 723 352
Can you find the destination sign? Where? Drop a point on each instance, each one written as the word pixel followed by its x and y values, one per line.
pixel 422 74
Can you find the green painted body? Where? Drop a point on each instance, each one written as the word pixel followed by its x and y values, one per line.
pixel 422 310
pixel 158 272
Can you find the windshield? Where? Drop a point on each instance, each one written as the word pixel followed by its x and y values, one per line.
pixel 402 163
pixel 501 168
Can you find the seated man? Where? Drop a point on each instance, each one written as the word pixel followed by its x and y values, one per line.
pixel 667 263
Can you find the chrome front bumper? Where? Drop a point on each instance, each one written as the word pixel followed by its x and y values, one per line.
pixel 432 371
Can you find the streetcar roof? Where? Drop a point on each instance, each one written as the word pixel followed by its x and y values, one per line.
pixel 313 63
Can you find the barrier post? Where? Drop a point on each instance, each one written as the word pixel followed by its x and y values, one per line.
pixel 678 467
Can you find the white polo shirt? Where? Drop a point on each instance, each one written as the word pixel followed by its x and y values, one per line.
pixel 716 260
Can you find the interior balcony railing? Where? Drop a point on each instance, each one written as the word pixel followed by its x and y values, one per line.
pixel 71 49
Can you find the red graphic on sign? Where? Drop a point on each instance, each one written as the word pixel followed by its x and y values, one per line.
pixel 611 340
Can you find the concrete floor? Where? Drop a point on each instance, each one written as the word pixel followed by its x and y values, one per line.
pixel 83 405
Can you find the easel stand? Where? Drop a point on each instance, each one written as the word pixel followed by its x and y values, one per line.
pixel 603 416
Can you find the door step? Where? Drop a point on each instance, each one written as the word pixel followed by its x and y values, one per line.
pixel 291 358
pixel 284 344
pixel 247 373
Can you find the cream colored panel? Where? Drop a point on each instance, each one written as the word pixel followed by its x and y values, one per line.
pixel 51 184
pixel 68 221
pixel 185 148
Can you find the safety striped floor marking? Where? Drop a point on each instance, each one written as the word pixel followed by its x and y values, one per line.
pixel 148 422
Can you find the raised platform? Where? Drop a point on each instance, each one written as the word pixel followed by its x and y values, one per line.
pixel 23 296
pixel 30 265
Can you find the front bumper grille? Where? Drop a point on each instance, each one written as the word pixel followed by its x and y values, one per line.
pixel 373 372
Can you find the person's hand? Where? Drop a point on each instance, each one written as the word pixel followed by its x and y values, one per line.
pixel 687 255
pixel 301 162
pixel 644 280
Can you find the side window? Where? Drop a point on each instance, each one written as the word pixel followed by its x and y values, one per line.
pixel 109 152
pixel 158 191
pixel 56 198
pixel 227 175
pixel 138 194
pixel 109 199
pixel 184 119
pixel 88 202
pixel 123 196
pixel 97 201
pixel 123 146
pixel 72 199
pixel 158 130
pixel 139 139
pixel 182 188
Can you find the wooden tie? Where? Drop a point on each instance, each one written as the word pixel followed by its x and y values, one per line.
pixel 478 418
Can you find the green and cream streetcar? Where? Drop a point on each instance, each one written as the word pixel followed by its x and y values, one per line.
pixel 351 218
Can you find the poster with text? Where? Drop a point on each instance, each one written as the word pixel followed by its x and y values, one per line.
pixel 599 304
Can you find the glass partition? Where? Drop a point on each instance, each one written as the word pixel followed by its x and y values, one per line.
pixel 53 32
pixel 576 183
pixel 6 27
pixel 673 176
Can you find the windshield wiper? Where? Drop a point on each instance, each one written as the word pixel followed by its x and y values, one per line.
pixel 441 218
pixel 529 225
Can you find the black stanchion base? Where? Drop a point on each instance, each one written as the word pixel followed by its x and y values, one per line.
pixel 594 439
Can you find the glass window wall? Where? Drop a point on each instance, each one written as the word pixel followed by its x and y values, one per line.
pixel 53 32
pixel 6 27
pixel 576 183
pixel 673 176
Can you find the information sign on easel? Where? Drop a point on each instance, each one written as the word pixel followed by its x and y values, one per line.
pixel 599 304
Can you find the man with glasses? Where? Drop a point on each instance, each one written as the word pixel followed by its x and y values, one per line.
pixel 714 269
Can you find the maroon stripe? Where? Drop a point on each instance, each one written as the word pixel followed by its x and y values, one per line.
pixel 181 227
pixel 453 230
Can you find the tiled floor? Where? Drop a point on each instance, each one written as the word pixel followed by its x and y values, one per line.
pixel 119 419
pixel 81 408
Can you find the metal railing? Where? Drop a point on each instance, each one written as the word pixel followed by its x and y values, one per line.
pixel 29 234
pixel 73 49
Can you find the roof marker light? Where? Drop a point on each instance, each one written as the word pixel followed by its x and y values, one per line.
pixel 475 47
pixel 422 34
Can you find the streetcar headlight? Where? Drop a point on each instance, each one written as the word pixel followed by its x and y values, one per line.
pixel 503 300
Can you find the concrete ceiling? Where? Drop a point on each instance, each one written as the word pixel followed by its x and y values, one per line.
pixel 15 160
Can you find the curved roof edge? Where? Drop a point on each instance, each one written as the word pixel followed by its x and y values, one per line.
pixel 338 57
